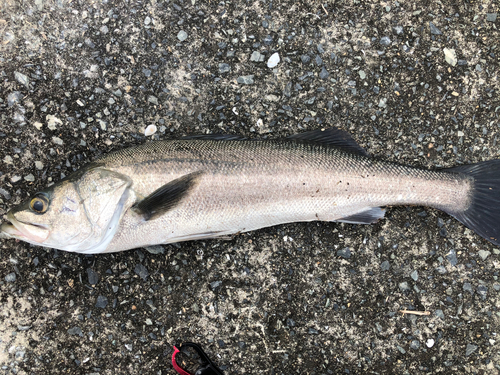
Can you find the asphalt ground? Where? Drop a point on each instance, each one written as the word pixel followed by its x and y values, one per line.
pixel 414 82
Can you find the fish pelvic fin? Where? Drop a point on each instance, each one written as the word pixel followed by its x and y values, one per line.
pixel 483 212
pixel 166 197
pixel 332 137
pixel 369 216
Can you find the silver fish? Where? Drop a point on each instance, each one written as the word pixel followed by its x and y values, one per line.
pixel 206 187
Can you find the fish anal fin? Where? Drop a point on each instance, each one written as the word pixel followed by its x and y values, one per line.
pixel 332 137
pixel 166 197
pixel 368 216
pixel 220 235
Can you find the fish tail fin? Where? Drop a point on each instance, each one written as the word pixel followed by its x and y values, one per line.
pixel 483 213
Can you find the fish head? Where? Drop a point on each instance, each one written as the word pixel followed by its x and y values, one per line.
pixel 79 214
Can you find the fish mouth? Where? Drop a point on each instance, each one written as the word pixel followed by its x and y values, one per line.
pixel 29 232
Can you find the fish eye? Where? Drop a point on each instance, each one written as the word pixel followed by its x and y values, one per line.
pixel 40 203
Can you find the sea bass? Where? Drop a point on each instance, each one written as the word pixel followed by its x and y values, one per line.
pixel 212 186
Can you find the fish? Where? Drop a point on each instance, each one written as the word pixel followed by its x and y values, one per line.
pixel 212 186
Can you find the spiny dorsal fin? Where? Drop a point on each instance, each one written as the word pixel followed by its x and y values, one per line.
pixel 166 197
pixel 331 137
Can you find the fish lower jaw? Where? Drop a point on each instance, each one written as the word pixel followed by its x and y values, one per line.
pixel 32 233
pixel 8 230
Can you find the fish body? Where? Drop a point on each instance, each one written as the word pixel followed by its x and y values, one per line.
pixel 178 190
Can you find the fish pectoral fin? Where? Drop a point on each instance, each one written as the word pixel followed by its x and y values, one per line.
pixel 368 216
pixel 332 137
pixel 166 197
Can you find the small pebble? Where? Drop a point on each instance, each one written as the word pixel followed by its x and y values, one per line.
pixel 14 98
pixel 93 276
pixel 5 193
pixel 8 159
pixel 452 257
pixel 246 80
pixel 257 57
pixel 182 35
pixel 404 286
pixel 157 249
pixel 398 30
pixel 11 277
pixel 385 41
pixel 491 17
pixel 273 60
pixel 57 141
pixel 429 343
pixel 215 284
pixel 471 348
pixel 344 253
pixel 482 290
pixel 21 78
pixel 29 177
pixel 434 29
pixel 468 288
pixel 38 164
pixel 141 271
pixel 414 275
pixel 102 302
pixel 484 254
pixel 415 344
pixel 385 266
pixel 75 331
pixel 150 130
pixel 324 73
pixel 450 56
pixel 224 68
pixel 52 121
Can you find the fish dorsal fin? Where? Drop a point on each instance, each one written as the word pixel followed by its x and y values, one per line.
pixel 215 137
pixel 332 137
pixel 166 197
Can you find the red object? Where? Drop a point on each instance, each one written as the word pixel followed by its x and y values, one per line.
pixel 207 366
pixel 178 368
